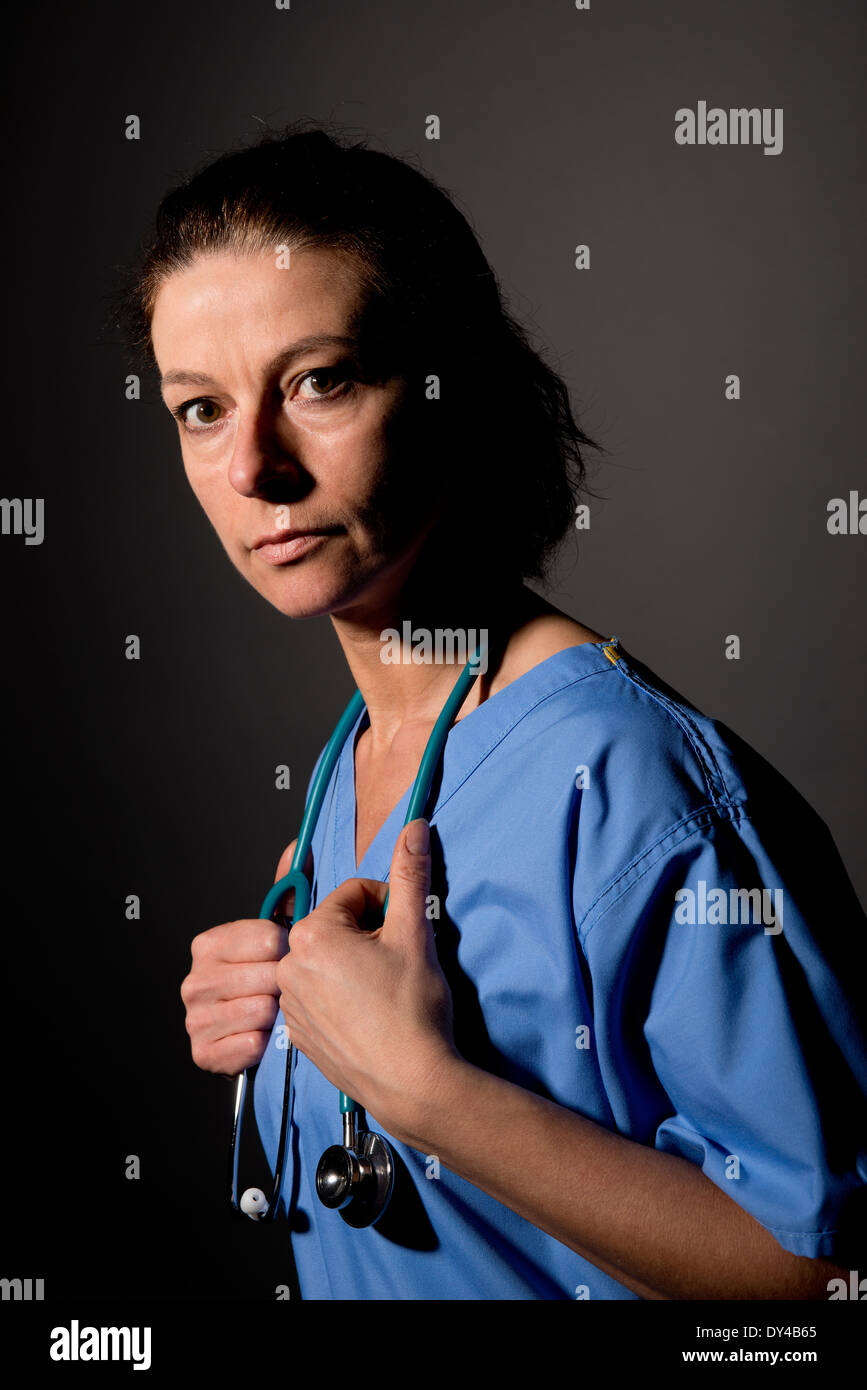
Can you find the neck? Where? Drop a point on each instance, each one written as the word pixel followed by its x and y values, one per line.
pixel 400 691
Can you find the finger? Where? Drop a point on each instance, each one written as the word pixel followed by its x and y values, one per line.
pixel 409 882
pixel 212 984
pixel 284 863
pixel 250 939
pixel 286 905
pixel 232 1055
pixel 211 1024
pixel 356 904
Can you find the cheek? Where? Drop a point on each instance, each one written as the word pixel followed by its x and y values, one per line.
pixel 403 499
pixel 195 475
pixel 210 492
pixel 388 485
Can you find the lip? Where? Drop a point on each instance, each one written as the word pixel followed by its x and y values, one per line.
pixel 285 546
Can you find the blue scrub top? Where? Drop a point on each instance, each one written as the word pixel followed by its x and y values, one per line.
pixel 592 830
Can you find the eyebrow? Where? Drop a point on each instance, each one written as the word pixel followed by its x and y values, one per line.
pixel 181 377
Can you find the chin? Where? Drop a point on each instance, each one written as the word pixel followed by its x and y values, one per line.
pixel 298 595
pixel 294 604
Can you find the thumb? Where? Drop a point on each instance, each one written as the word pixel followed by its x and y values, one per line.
pixel 409 878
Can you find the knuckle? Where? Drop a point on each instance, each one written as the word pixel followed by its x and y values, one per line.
pixel 249 1049
pixel 191 992
pixel 201 945
pixel 300 936
pixel 263 940
pixel 275 941
pixel 196 1025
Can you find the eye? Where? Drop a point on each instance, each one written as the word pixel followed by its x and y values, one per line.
pixel 324 383
pixel 210 411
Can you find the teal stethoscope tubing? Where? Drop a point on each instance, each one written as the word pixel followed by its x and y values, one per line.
pixel 297 879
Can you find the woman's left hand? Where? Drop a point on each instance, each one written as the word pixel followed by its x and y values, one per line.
pixel 371 1008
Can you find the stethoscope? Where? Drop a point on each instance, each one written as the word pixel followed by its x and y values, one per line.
pixel 356 1177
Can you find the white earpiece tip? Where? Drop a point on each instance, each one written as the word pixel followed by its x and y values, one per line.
pixel 253 1203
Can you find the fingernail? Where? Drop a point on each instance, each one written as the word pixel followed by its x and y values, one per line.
pixel 418 837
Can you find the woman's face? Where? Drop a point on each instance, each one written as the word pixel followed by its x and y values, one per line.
pixel 300 451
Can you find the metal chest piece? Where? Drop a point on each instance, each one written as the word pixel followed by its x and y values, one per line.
pixel 356 1177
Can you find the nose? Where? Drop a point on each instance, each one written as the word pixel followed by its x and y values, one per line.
pixel 264 460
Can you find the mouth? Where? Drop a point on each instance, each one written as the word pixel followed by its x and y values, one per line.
pixel 285 546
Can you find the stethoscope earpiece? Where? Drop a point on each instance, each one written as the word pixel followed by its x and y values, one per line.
pixel 253 1203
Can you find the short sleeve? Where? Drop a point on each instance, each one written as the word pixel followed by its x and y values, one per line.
pixel 726 964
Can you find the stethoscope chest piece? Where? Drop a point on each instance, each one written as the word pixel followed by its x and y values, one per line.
pixel 357 1178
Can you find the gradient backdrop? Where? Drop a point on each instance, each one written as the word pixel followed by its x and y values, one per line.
pixel 156 777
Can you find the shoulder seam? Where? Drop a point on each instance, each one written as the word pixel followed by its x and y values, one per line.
pixel 714 780
pixel 674 836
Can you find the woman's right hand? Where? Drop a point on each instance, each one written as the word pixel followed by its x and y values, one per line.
pixel 230 993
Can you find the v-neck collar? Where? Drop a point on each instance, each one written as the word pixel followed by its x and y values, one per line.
pixel 469 742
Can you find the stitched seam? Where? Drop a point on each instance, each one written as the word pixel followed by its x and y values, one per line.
pixel 684 1131
pixel 784 1230
pixel 714 780
pixel 660 849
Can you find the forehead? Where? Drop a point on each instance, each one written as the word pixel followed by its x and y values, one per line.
pixel 253 304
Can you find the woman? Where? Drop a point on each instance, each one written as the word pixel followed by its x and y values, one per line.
pixel 600 1024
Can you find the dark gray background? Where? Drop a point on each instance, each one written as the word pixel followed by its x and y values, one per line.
pixel 156 777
